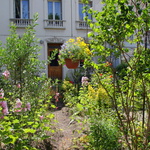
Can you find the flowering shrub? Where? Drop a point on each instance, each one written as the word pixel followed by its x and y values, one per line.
pixel 22 121
pixel 70 93
pixel 75 49
pixel 24 97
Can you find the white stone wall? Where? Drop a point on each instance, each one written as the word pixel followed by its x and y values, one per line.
pixel 69 14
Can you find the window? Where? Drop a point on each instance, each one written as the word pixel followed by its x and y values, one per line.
pixel 22 9
pixel 54 10
pixel 81 8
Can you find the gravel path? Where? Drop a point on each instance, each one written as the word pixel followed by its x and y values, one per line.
pixel 64 130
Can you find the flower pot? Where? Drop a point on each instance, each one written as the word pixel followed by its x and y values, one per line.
pixel 71 64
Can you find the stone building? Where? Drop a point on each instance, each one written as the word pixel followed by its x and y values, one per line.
pixel 58 21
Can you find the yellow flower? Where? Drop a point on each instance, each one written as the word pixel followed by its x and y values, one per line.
pixel 71 40
pixel 75 49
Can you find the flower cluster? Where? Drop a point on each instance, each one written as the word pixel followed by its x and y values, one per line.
pixel 6 74
pixel 75 49
pixel 18 106
pixel 4 106
pixel 1 93
pixel 85 81
pixel 56 97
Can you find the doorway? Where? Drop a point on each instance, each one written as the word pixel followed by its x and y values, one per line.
pixel 54 69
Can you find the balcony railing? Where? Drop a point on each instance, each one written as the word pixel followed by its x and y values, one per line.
pixel 22 23
pixel 82 25
pixel 60 24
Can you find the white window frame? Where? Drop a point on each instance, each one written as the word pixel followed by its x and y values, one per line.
pixel 84 14
pixel 53 3
pixel 21 16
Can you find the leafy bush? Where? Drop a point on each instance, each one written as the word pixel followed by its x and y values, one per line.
pixel 121 69
pixel 70 93
pixel 104 133
pixel 25 97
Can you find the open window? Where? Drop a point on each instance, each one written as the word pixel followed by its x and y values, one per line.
pixel 21 9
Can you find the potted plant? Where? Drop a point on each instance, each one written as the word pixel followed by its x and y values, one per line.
pixel 72 51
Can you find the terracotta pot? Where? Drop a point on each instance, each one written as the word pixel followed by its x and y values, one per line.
pixel 71 64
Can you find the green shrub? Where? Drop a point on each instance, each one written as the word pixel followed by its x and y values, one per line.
pixel 121 69
pixel 24 96
pixel 104 134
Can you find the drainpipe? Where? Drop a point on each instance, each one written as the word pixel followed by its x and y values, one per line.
pixel 71 20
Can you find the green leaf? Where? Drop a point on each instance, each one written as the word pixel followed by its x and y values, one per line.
pixel 80 107
pixel 8 140
pixel 45 137
pixel 30 123
pixel 11 139
pixel 127 26
pixel 26 147
pixel 15 121
pixel 35 125
pixel 53 106
pixel 29 130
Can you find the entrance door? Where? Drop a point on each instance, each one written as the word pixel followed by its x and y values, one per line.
pixel 54 69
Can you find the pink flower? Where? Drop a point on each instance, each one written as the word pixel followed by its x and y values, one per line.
pixel 18 85
pixel 1 93
pixel 57 94
pixel 28 106
pixel 56 97
pixel 120 141
pixel 6 74
pixel 42 117
pixel 2 117
pixel 18 110
pixel 25 109
pixel 1 96
pixel 5 107
pixel 18 103
pixel 4 104
pixel 84 81
pixel 5 111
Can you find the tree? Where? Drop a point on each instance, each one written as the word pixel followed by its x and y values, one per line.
pixel 114 26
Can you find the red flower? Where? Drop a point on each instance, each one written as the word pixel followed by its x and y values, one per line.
pixel 110 76
pixel 108 64
pixel 71 82
pixel 100 74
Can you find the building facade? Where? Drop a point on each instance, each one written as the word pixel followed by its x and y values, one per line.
pixel 58 21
